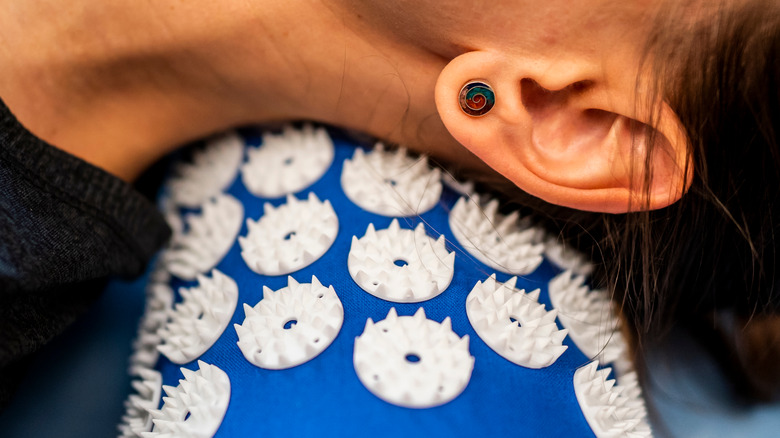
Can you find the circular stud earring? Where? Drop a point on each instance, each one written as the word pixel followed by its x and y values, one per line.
pixel 476 98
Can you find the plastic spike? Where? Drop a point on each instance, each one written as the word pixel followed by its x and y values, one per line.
pixel 392 316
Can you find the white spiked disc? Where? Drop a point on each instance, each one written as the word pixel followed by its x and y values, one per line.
pixel 289 237
pixel 209 237
pixel 591 319
pixel 566 257
pixel 199 319
pixel 391 183
pixel 612 410
pixel 290 326
pixel 147 387
pixel 412 361
pixel 210 172
pixel 288 162
pixel 159 300
pixel 195 408
pixel 504 243
pixel 401 265
pixel 514 324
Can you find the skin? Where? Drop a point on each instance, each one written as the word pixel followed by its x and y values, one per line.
pixel 122 84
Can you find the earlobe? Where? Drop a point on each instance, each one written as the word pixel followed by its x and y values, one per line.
pixel 557 132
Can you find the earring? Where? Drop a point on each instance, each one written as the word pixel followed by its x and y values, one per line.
pixel 476 98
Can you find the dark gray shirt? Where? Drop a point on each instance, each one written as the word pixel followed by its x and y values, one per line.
pixel 65 226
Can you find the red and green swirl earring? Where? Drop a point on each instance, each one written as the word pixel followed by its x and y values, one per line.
pixel 476 98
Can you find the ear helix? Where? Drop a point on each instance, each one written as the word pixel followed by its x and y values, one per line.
pixel 476 98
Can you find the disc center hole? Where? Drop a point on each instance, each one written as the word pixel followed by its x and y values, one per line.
pixel 412 358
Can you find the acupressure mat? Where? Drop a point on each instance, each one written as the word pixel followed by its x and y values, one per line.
pixel 323 396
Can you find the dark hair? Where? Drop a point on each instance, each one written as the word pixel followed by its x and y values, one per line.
pixel 708 262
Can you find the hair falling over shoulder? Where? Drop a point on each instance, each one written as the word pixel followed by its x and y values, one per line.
pixel 709 263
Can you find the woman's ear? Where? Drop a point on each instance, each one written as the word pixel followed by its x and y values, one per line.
pixel 568 133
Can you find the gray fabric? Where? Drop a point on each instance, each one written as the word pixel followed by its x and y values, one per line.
pixel 65 226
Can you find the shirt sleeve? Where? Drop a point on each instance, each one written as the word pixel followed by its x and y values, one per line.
pixel 65 226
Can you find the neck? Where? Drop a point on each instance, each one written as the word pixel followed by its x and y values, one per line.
pixel 331 66
pixel 143 82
